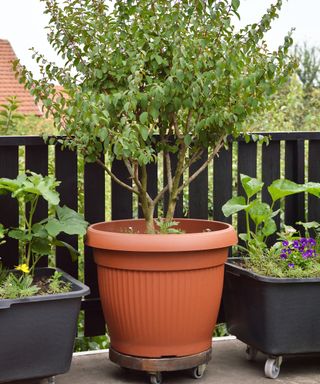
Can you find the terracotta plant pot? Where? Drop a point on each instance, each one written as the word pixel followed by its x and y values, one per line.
pixel 160 293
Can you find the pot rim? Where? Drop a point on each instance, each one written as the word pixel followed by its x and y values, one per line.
pixel 98 236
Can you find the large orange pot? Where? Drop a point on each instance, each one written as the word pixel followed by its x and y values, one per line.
pixel 160 293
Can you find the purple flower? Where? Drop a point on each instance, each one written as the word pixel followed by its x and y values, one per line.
pixel 285 243
pixel 312 242
pixel 305 255
pixel 296 244
pixel 291 265
pixel 283 256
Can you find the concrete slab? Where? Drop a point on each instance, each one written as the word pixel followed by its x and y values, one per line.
pixel 228 366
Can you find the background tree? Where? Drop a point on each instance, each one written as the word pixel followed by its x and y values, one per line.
pixel 309 66
pixel 177 70
pixel 296 105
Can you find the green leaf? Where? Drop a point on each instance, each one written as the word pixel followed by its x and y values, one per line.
pixel 71 222
pixel 313 188
pixel 19 234
pixel 259 212
pixel 187 139
pixel 143 117
pixel 269 228
pixel 243 236
pixel 282 188
pixel 144 132
pixel 73 252
pixel 235 4
pixel 309 224
pixel 250 185
pixel 234 205
pixel 54 227
pixel 41 246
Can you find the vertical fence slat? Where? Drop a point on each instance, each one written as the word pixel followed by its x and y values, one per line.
pixel 37 161
pixel 66 171
pixel 94 209
pixel 9 209
pixel 198 191
pixel 121 198
pixel 294 171
pixel 271 172
pixel 247 164
pixel 222 183
pixel 152 185
pixel 314 175
pixel 179 207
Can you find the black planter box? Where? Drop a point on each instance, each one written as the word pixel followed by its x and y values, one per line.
pixel 37 333
pixel 275 316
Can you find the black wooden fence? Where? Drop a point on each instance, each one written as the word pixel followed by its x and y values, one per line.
pixel 295 156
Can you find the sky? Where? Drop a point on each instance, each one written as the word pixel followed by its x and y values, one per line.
pixel 22 22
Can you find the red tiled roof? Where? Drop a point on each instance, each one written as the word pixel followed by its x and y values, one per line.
pixel 9 85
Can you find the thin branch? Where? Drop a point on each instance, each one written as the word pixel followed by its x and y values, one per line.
pixel 168 169
pixel 189 120
pixel 176 127
pixel 160 194
pixel 133 173
pixel 114 177
pixel 193 159
pixel 203 166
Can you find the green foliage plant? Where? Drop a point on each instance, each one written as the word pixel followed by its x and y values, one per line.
pixel 176 70
pixel 293 255
pixel 9 116
pixel 38 239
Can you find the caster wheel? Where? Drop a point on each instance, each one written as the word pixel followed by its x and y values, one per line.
pixel 272 367
pixel 197 372
pixel 51 380
pixel 251 353
pixel 156 378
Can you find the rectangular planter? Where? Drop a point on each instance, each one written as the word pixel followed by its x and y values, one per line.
pixel 275 316
pixel 37 333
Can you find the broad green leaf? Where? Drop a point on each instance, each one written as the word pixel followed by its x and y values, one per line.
pixel 281 188
pixel 49 194
pixel 41 246
pixel 259 212
pixel 19 234
pixel 143 117
pixel 54 227
pixel 309 224
pixel 250 185
pixel 313 188
pixel 234 205
pixel 67 221
pixel 269 227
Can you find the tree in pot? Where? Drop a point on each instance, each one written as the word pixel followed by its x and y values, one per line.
pixel 147 79
pixel 271 293
pixel 39 307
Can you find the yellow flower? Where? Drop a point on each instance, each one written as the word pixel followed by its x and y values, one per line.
pixel 23 268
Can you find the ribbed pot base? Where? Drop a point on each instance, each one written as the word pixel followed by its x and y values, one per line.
pixel 160 314
pixel 160 294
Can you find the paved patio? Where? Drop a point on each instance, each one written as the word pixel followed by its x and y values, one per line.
pixel 228 366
